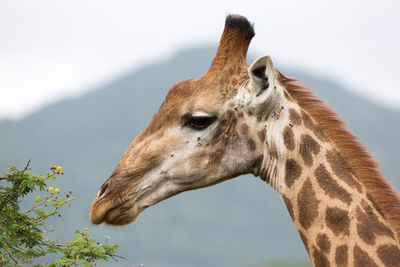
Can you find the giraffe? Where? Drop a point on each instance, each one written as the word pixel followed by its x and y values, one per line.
pixel 239 119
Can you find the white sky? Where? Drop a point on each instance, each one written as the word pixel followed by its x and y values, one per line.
pixel 53 49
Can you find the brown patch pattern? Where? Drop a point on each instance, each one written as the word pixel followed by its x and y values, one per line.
pixel 305 241
pixel 330 186
pixel 289 206
pixel 308 204
pixel 244 128
pixel 292 172
pixel 341 256
pixel 341 169
pixel 364 167
pixel 337 220
pixel 378 209
pixel 323 243
pixel 251 144
pixel 361 258
pixel 369 226
pixel 294 117
pixel 308 146
pixel 389 255
pixel 261 135
pixel 309 123
pixel 319 259
pixel 288 138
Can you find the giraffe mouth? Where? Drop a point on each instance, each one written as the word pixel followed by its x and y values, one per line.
pixel 122 215
pixel 124 211
pixel 114 214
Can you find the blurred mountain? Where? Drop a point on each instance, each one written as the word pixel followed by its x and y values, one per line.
pixel 237 223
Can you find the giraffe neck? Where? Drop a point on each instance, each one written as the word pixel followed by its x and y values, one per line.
pixel 336 217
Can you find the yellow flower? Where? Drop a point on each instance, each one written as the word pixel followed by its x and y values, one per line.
pixel 59 168
pixel 57 191
pixel 86 230
pixel 51 188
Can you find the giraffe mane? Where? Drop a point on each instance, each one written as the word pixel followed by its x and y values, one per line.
pixel 364 167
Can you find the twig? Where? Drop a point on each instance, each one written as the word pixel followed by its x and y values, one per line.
pixel 11 257
pixel 113 255
pixel 26 167
pixel 38 204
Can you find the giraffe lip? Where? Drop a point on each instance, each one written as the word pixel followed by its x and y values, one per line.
pixel 101 209
pixel 122 214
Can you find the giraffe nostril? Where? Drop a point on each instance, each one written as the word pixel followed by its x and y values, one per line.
pixel 102 190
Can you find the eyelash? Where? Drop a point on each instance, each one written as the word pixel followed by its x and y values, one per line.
pixel 198 123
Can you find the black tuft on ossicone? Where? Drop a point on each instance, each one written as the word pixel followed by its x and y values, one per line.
pixel 241 23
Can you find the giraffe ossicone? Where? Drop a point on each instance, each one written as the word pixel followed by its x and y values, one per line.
pixel 237 119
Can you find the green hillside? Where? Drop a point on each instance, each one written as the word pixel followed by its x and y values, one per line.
pixel 237 223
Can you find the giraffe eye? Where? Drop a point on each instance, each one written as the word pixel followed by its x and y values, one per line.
pixel 198 122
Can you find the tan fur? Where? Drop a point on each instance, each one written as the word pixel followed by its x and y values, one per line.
pixel 341 205
pixel 364 166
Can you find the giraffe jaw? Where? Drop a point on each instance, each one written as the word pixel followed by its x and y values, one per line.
pixel 125 211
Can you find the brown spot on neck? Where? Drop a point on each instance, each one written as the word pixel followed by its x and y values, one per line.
pixel 309 123
pixel 307 204
pixel 308 146
pixel 378 209
pixel 330 186
pixel 292 172
pixel 294 117
pixel 337 220
pixel 389 255
pixel 323 243
pixel 369 226
pixel 289 206
pixel 319 259
pixel 341 169
pixel 305 241
pixel 288 138
pixel 361 258
pixel 364 167
pixel 341 256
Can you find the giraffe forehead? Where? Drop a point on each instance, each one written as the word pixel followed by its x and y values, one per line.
pixel 207 92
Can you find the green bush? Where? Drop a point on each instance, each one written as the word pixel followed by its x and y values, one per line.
pixel 23 234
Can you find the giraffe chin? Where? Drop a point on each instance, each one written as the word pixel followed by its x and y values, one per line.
pixel 122 215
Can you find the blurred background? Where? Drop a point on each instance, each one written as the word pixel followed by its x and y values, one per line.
pixel 80 79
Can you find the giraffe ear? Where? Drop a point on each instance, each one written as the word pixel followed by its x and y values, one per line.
pixel 262 83
pixel 262 75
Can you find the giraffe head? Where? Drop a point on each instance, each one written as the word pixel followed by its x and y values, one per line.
pixel 207 130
